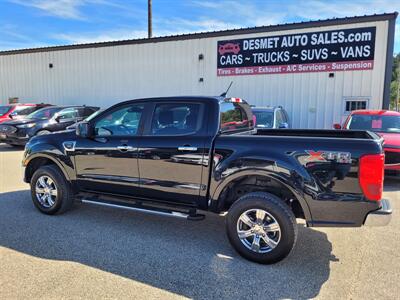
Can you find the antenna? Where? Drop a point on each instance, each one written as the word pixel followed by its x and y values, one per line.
pixel 227 90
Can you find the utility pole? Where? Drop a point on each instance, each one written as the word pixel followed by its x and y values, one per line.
pixel 149 19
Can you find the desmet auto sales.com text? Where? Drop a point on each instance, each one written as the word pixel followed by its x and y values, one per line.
pixel 323 38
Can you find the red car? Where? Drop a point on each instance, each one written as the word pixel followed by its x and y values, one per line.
pixel 385 123
pixel 18 110
pixel 229 48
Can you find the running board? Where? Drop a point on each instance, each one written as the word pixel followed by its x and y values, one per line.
pixel 192 215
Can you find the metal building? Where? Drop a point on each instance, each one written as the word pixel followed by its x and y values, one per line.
pixel 316 70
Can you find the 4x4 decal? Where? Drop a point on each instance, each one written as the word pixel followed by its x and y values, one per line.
pixel 324 156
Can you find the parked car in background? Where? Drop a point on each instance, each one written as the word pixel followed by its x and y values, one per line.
pixel 43 121
pixel 271 117
pixel 18 111
pixel 385 123
pixel 73 126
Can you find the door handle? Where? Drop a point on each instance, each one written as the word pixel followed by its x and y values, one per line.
pixel 124 148
pixel 187 148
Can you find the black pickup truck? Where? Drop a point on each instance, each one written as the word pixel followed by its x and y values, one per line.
pixel 175 156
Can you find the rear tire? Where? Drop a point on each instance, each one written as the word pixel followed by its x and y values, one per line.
pixel 261 227
pixel 51 192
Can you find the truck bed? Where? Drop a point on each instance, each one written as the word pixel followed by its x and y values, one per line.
pixel 323 133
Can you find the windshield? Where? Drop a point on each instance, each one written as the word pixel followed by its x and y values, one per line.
pixel 44 113
pixel 375 123
pixel 23 110
pixel 264 119
pixel 4 109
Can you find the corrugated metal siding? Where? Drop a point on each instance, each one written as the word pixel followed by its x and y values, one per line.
pixel 104 76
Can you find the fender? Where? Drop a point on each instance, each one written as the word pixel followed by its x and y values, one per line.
pixel 54 154
pixel 219 181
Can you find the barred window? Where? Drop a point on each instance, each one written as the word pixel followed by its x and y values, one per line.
pixel 355 104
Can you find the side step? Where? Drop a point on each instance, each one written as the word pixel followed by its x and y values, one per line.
pixel 188 215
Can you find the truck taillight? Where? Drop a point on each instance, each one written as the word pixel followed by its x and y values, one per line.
pixel 371 172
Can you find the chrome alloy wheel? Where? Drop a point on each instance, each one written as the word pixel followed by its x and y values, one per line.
pixel 46 191
pixel 258 230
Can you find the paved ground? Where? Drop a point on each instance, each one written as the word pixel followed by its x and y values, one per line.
pixel 103 253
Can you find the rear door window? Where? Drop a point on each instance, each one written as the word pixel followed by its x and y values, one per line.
pixel 176 119
pixel 68 113
pixel 85 111
pixel 89 111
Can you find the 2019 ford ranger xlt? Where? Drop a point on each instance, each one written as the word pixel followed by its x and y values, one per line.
pixel 179 155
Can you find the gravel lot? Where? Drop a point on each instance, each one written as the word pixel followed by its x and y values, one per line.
pixel 94 252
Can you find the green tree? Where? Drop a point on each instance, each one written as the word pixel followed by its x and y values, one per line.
pixel 394 85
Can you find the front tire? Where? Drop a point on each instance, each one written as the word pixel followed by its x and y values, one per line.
pixel 261 227
pixel 51 193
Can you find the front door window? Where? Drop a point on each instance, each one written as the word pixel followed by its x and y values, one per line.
pixel 121 122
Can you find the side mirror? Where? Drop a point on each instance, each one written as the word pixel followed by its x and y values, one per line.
pixel 57 118
pixel 284 125
pixel 337 126
pixel 84 130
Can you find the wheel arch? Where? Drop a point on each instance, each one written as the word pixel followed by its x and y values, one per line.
pixel 226 192
pixel 37 161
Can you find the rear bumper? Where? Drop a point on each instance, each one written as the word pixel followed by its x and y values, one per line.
pixel 380 217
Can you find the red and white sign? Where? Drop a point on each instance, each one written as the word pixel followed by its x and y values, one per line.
pixel 323 51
